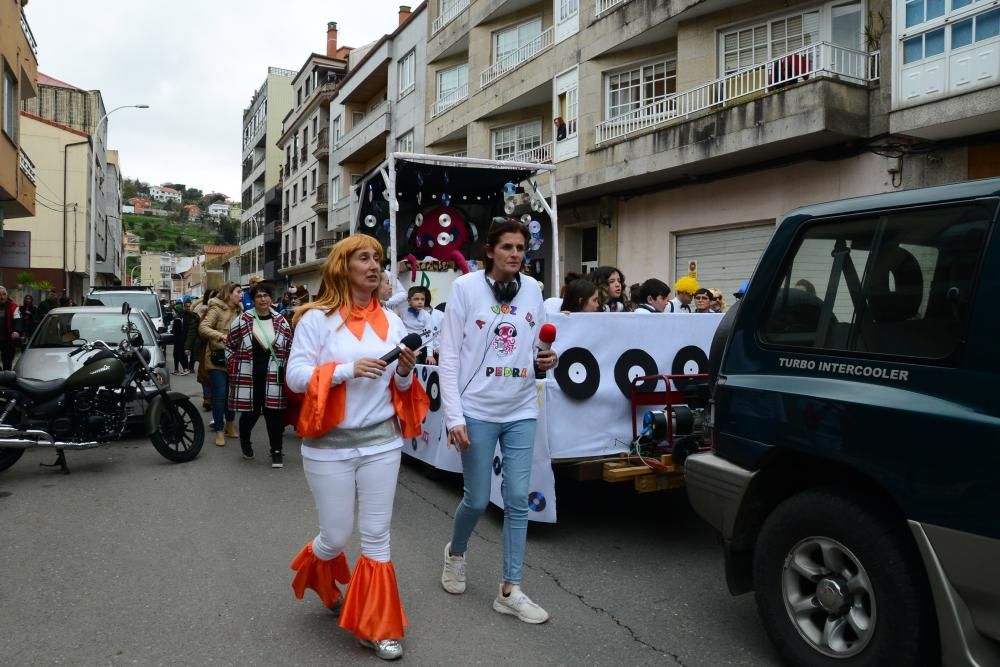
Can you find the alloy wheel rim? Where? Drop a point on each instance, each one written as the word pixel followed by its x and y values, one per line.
pixel 828 596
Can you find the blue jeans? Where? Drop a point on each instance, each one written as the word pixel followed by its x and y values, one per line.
pixel 220 392
pixel 517 443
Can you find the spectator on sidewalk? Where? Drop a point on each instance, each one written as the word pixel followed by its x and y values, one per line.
pixel 213 329
pixel 10 329
pixel 259 341
pixel 30 317
pixel 51 301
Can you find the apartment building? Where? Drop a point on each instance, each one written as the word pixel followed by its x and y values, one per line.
pixel 19 65
pixel 304 143
pixel 683 131
pixel 57 127
pixel 379 108
pixel 157 271
pixel 260 214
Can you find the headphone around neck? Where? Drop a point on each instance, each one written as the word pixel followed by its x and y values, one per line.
pixel 504 292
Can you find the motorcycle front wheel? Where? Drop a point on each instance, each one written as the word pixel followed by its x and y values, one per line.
pixel 181 434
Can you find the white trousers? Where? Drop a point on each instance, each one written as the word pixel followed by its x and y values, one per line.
pixel 334 485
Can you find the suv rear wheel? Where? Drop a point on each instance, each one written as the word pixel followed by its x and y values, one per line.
pixel 838 583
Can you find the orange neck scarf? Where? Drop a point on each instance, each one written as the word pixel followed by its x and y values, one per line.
pixel 372 314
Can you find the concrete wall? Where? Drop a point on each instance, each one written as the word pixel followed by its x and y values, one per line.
pixel 49 244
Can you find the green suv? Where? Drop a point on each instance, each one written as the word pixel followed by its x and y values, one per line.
pixel 855 469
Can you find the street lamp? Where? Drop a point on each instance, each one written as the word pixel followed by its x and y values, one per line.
pixel 93 191
pixel 131 274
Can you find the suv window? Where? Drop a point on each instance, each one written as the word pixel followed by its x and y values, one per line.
pixel 140 300
pixel 897 284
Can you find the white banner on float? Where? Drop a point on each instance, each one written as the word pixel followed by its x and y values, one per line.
pixel 584 403
pixel 588 394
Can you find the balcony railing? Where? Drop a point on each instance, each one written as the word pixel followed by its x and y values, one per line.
pixel 604 6
pixel 322 140
pixel 27 166
pixel 515 59
pixel 323 247
pixel 373 113
pixel 539 154
pixel 29 35
pixel 451 99
pixel 321 203
pixel 818 60
pixel 449 15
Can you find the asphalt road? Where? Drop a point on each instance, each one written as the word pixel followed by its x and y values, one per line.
pixel 134 560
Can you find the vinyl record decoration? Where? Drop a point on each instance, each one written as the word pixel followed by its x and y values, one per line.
pixel 635 363
pixel 578 373
pixel 536 501
pixel 690 360
pixel 434 391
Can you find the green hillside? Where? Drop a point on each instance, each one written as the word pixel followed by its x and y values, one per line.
pixel 186 237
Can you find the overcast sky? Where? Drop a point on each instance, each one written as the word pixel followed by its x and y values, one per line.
pixel 196 63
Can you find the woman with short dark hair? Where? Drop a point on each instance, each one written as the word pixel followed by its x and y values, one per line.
pixel 259 341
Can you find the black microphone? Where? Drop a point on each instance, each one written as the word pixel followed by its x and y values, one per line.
pixel 412 341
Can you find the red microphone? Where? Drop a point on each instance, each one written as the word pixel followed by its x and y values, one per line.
pixel 546 336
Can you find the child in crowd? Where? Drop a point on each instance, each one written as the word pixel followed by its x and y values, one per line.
pixel 581 296
pixel 437 319
pixel 654 297
pixel 417 320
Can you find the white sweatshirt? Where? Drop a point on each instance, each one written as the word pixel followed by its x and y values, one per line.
pixel 319 340
pixel 415 321
pixel 488 352
pixel 437 321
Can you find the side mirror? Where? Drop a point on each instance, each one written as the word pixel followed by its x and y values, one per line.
pixel 161 330
pixel 166 339
pixel 126 309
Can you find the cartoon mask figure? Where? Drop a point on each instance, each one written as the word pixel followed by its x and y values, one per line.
pixel 440 232
pixel 504 339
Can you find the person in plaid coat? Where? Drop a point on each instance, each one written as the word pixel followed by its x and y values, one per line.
pixel 258 342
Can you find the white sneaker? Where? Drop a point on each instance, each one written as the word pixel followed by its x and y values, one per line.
pixel 453 576
pixel 520 605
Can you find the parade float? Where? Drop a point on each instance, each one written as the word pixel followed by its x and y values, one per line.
pixel 626 402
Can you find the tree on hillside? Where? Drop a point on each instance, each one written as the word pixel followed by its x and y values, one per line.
pixel 192 196
pixel 150 236
pixel 211 198
pixel 170 206
pixel 229 231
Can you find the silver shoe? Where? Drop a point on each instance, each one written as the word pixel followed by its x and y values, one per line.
pixel 387 649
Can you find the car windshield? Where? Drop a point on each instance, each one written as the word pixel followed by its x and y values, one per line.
pixel 138 300
pixel 61 329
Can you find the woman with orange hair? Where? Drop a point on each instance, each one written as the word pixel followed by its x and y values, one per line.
pixel 354 415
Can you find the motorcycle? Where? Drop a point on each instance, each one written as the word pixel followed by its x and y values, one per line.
pixel 89 408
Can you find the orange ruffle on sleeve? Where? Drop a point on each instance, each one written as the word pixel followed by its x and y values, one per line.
pixel 372 609
pixel 323 404
pixel 411 407
pixel 319 575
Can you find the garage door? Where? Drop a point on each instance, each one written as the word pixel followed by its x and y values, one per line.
pixel 726 257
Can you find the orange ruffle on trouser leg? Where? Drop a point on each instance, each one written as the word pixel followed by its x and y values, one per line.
pixel 319 575
pixel 372 608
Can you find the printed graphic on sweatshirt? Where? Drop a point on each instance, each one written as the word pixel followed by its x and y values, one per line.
pixel 505 339
pixel 504 309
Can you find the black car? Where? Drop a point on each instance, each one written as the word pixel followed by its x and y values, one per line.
pixel 855 475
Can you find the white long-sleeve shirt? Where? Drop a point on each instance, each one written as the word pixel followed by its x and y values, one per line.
pixel 319 340
pixel 488 352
